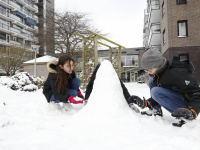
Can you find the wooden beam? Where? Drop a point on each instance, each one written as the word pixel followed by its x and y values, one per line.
pixel 104 38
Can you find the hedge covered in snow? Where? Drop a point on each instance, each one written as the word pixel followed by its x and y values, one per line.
pixel 22 81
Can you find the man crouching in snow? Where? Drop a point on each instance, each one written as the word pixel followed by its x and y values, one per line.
pixel 171 86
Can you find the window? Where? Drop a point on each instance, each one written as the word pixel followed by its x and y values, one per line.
pixel 163 8
pixel 164 37
pixel 181 1
pixel 129 60
pixel 182 28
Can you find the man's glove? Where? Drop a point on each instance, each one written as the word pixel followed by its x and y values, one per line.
pixel 80 95
pixel 73 101
pixel 132 106
pixel 137 100
pixel 186 113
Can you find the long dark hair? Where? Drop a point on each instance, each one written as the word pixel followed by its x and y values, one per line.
pixel 62 80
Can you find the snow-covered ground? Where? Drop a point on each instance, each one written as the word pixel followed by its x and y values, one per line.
pixel 105 123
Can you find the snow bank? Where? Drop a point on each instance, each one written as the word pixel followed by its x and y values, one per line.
pixel 22 81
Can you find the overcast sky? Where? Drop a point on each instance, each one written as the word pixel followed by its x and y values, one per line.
pixel 122 20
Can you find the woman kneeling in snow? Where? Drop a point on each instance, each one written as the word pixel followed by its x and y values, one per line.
pixel 62 84
pixel 130 100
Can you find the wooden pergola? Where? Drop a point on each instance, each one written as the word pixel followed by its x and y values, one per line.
pixel 90 55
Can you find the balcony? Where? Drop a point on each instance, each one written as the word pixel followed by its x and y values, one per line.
pixel 15 17
pixel 5 28
pixel 153 5
pixel 15 30
pixel 32 7
pixel 145 16
pixel 35 18
pixel 5 15
pixel 155 34
pixel 22 33
pixel 21 2
pixel 15 43
pixel 145 40
pixel 155 47
pixel 154 11
pixel 15 5
pixel 35 28
pixel 6 3
pixel 4 42
pixel 29 3
pixel 36 7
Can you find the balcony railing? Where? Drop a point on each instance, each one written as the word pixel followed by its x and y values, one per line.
pixel 4 26
pixel 155 47
pixel 15 43
pixel 35 27
pixel 145 12
pixel 15 5
pixel 154 30
pixel 21 32
pixel 25 11
pixel 2 38
pixel 28 2
pixel 3 11
pixel 155 27
pixel 6 1
pixel 155 4
pixel 35 7
pixel 15 17
pixel 15 30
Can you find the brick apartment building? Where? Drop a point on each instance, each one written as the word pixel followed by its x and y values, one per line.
pixel 173 27
pixel 45 11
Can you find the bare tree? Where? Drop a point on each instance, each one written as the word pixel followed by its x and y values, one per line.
pixel 64 24
pixel 11 58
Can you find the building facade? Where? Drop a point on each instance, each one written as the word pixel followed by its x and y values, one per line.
pixel 130 63
pixel 18 22
pixel 173 27
pixel 46 35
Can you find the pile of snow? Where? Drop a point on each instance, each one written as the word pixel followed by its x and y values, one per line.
pixel 111 100
pixel 22 81
pixel 107 108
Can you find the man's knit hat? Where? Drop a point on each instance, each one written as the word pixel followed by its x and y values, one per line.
pixel 152 59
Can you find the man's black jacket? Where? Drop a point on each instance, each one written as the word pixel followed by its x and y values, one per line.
pixel 175 76
pixel 50 86
pixel 90 86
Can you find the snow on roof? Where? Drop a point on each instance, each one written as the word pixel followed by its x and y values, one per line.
pixel 42 59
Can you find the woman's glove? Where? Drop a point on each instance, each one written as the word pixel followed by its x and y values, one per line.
pixel 73 101
pixel 80 95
